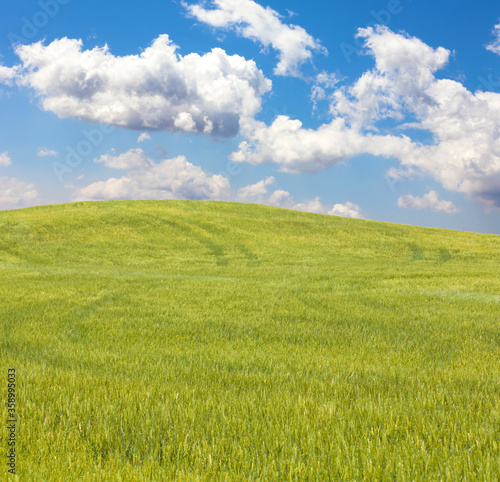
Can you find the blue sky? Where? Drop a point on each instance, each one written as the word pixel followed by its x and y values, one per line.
pixel 387 110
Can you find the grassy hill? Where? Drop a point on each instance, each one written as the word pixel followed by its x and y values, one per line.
pixel 219 341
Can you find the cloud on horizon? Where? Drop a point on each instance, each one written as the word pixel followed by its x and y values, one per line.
pixel 13 192
pixel 259 193
pixel 16 194
pixel 429 201
pixel 145 179
pixel 178 179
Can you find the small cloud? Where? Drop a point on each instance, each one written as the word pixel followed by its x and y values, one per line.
pixel 428 201
pixel 8 74
pixel 347 210
pixel 255 193
pixel 43 152
pixel 328 80
pixel 144 137
pixel 5 159
pixel 258 193
pixel 324 84
pixel 281 198
pixel 495 45
pixel 16 194
pixel 132 159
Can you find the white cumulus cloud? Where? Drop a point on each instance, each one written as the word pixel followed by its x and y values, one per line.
pixel 7 74
pixel 495 45
pixel 429 201
pixel 143 137
pixel 255 193
pixel 178 179
pixel 44 152
pixel 132 159
pixel 158 89
pixel 263 25
pixel 297 149
pixel 145 179
pixel 16 194
pixel 347 210
pixel 324 83
pixel 464 127
pixel 404 70
pixel 5 159
pixel 281 198
pixel 259 193
pixel 13 192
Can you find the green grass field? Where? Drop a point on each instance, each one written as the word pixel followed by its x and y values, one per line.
pixel 188 340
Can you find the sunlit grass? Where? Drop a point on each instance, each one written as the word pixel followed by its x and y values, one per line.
pixel 218 341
